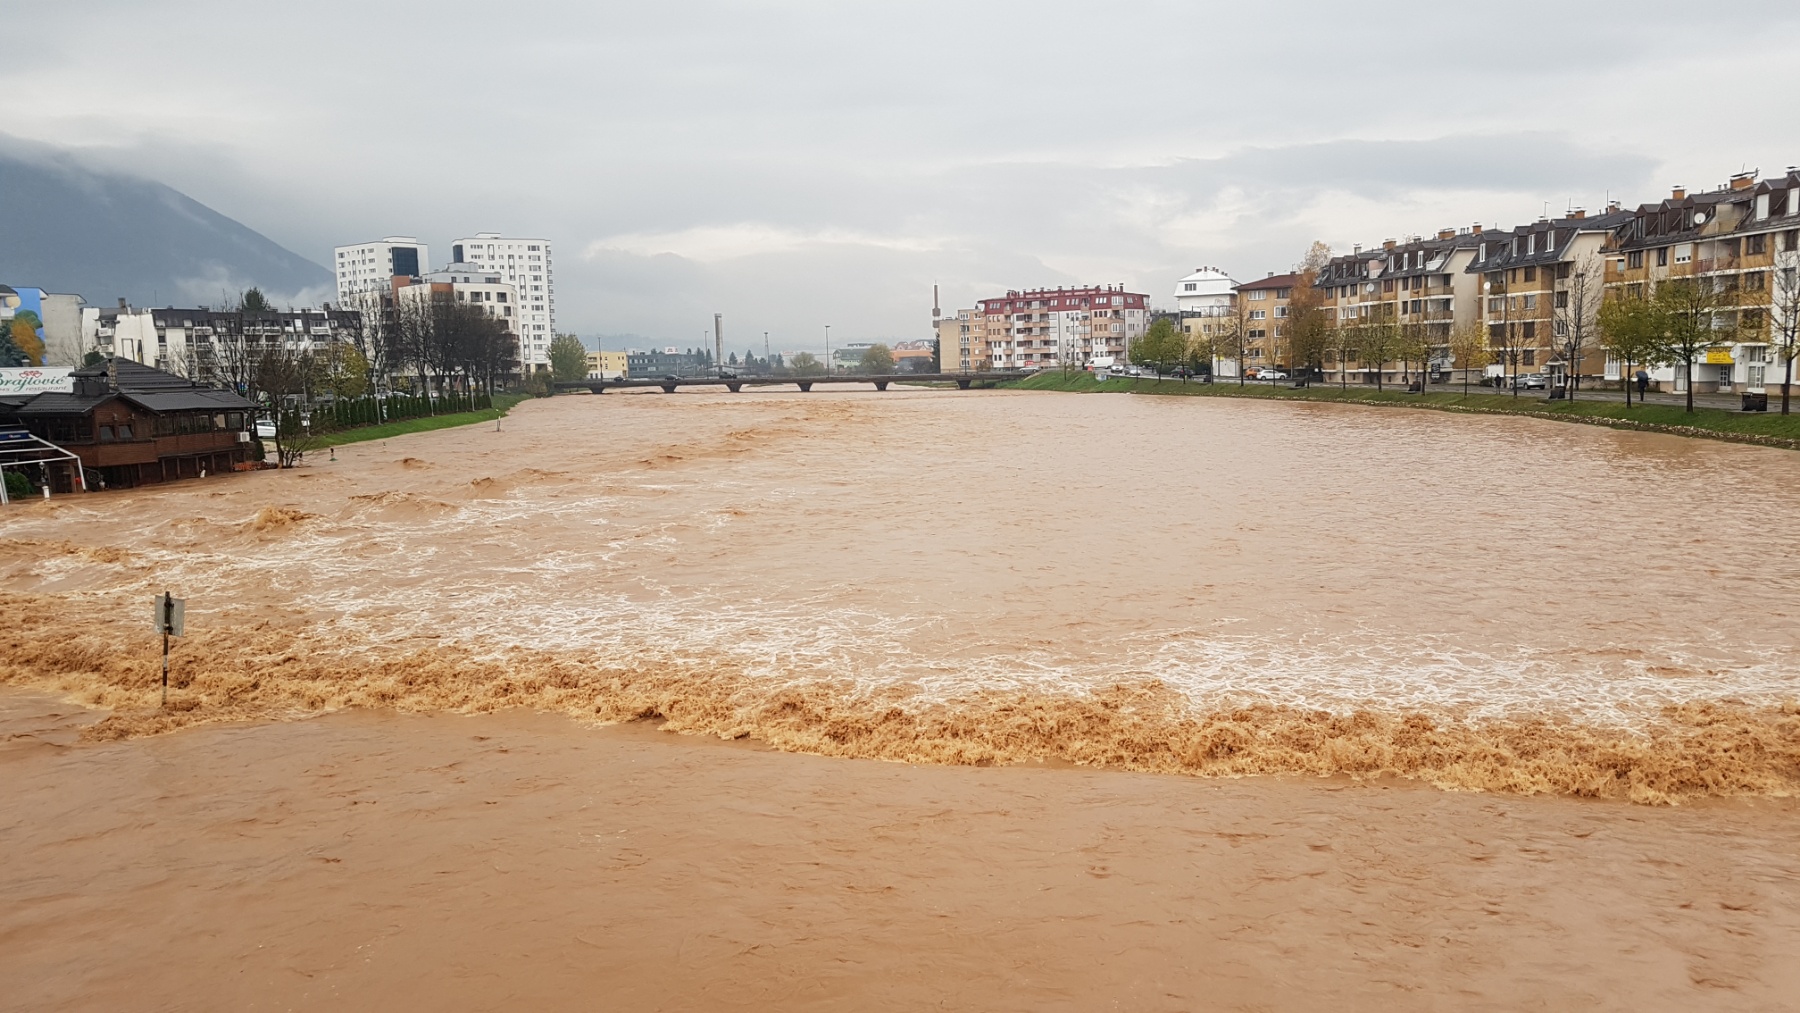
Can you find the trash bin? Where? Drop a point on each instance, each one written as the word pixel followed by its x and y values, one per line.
pixel 1756 401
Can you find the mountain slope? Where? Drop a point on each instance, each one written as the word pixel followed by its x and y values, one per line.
pixel 64 228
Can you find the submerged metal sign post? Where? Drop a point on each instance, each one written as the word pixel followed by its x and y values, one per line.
pixel 171 621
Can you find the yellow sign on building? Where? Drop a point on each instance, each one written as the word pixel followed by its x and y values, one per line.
pixel 1718 356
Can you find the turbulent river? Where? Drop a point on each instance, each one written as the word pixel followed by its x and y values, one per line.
pixel 1184 584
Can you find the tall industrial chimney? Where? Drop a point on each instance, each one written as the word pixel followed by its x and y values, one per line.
pixel 719 343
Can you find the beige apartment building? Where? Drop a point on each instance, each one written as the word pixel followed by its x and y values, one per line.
pixel 1262 309
pixel 1541 291
pixel 1746 237
pixel 962 342
pixel 604 365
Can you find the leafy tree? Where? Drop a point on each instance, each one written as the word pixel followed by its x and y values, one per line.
pixel 568 358
pixel 1308 324
pixel 10 356
pixel 805 364
pixel 1376 340
pixel 1162 346
pixel 344 371
pixel 1469 349
pixel 25 338
pixel 1687 312
pixel 1201 348
pixel 1414 349
pixel 877 360
pixel 253 301
pixel 1628 326
pixel 92 358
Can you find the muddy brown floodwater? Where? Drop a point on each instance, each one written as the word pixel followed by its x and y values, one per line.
pixel 1564 620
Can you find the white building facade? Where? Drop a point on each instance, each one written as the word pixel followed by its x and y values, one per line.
pixel 526 265
pixel 481 288
pixel 371 267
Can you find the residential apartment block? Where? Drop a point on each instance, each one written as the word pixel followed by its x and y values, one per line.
pixel 1262 309
pixel 1745 237
pixel 215 347
pixel 368 269
pixel 1044 327
pixel 525 264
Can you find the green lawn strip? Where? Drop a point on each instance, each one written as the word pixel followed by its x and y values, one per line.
pixel 1762 428
pixel 424 424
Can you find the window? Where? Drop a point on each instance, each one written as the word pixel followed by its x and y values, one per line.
pixel 1531 274
pixel 106 434
pixel 1530 357
pixel 1562 300
pixel 1528 330
pixel 1755 281
pixel 1257 295
pixel 1790 240
pixel 1259 314
pixel 1531 302
pixel 1756 246
pixel 124 432
pixel 1635 259
pixel 1189 287
pixel 1662 257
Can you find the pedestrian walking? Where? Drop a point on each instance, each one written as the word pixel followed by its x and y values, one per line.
pixel 1643 382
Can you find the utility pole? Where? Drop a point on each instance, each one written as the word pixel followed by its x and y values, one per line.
pixel 827 348
pixel 765 350
pixel 719 344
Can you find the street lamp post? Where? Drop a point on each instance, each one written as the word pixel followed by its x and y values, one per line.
pixel 828 349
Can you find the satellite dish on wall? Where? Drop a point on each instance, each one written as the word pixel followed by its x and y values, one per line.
pixel 1699 218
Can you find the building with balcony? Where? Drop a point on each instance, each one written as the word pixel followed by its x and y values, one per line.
pixel 1262 309
pixel 211 347
pixel 1043 327
pixel 369 269
pixel 527 266
pixel 1743 237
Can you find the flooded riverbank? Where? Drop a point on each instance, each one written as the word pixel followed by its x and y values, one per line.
pixel 1155 584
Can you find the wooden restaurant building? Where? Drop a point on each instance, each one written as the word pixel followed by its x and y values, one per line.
pixel 131 424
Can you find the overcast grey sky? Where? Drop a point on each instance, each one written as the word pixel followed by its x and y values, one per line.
pixel 794 164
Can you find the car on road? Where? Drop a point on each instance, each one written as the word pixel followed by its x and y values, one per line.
pixel 265 429
pixel 1271 374
pixel 1531 381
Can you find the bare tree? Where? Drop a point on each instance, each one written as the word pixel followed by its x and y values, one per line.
pixel 286 375
pixel 372 331
pixel 1785 318
pixel 1345 343
pixel 1580 290
pixel 1234 335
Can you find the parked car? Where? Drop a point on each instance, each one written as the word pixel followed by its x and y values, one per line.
pixel 1531 381
pixel 265 429
pixel 1253 373
pixel 1271 374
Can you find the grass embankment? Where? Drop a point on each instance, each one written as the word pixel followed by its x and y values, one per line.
pixel 423 424
pixel 1764 428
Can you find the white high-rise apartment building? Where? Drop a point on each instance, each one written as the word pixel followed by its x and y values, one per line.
pixel 371 267
pixel 525 265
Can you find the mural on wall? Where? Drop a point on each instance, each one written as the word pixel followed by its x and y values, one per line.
pixel 21 326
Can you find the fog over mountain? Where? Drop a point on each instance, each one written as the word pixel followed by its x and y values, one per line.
pixel 105 235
